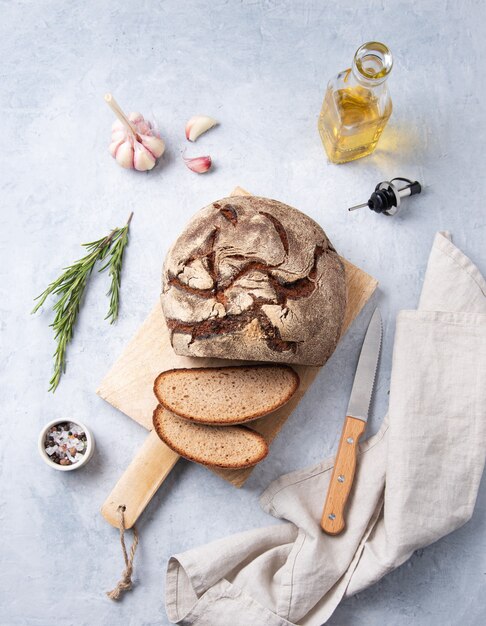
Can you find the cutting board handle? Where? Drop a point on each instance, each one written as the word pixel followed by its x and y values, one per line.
pixel 332 521
pixel 140 481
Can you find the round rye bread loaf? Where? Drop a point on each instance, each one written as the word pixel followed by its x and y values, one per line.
pixel 254 279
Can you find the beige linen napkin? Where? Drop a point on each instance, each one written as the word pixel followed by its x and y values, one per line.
pixel 430 453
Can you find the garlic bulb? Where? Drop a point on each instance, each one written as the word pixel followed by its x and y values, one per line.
pixel 135 144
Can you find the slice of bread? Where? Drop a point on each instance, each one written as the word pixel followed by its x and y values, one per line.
pixel 226 395
pixel 231 447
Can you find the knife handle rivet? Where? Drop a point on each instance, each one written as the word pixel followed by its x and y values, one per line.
pixel 332 516
pixel 350 440
pixel 340 478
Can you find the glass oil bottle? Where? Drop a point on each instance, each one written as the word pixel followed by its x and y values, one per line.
pixel 357 105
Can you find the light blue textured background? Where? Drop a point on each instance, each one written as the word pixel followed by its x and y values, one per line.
pixel 260 68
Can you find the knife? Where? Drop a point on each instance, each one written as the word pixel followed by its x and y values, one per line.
pixel 332 521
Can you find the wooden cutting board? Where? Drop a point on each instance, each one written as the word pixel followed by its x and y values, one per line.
pixel 128 387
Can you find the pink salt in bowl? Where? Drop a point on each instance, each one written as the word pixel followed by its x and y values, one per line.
pixel 65 444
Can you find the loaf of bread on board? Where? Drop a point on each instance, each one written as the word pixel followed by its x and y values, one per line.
pixel 254 279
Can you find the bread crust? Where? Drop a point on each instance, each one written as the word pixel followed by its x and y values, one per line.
pixel 254 279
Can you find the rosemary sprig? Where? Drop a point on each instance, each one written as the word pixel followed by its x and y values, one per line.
pixel 115 264
pixel 70 288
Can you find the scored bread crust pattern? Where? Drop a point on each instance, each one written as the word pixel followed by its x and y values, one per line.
pixel 223 422
pixel 257 278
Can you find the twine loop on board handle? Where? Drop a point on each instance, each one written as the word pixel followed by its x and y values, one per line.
pixel 125 582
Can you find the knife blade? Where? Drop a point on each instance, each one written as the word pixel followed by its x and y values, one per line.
pixel 332 521
pixel 364 379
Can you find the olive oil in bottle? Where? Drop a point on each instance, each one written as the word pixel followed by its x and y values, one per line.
pixel 357 105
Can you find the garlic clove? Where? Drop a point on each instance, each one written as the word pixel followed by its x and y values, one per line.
pixel 118 126
pixel 118 135
pixel 200 165
pixel 198 125
pixel 124 155
pixel 143 159
pixel 114 145
pixel 142 126
pixel 154 144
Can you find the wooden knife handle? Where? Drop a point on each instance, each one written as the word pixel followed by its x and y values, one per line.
pixel 140 481
pixel 332 521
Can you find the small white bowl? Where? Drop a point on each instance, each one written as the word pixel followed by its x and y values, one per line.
pixel 90 446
